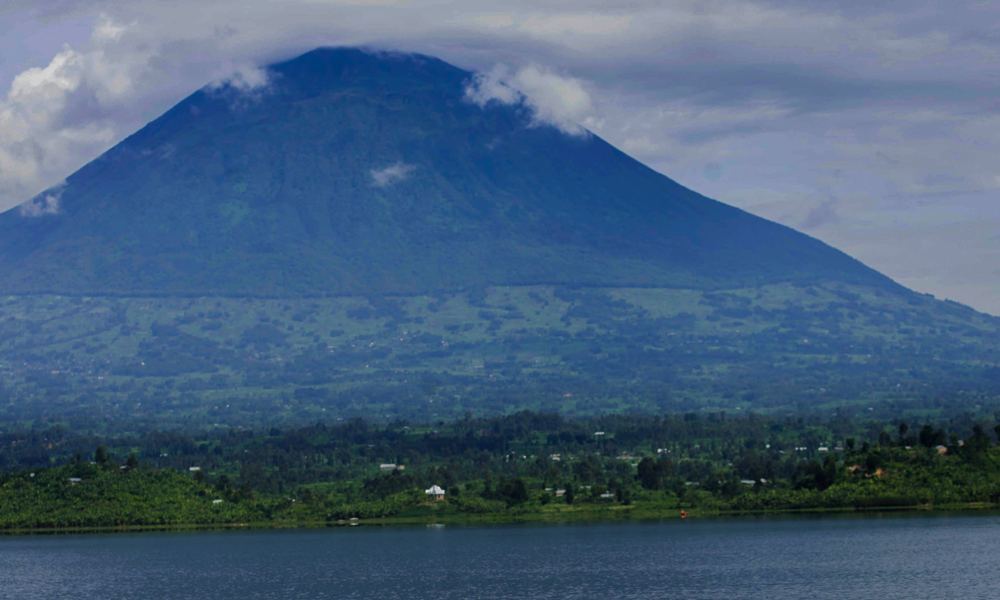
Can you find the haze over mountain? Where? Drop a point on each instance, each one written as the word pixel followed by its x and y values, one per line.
pixel 368 235
pixel 372 173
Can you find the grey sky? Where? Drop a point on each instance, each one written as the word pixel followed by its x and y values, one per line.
pixel 874 126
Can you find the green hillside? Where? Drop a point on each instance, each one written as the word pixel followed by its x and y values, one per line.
pixel 104 362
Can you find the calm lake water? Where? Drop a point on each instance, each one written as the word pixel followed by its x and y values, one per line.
pixel 912 557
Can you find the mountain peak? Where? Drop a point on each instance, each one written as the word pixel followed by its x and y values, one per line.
pixel 361 172
pixel 331 63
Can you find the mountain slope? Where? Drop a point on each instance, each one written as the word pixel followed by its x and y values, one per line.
pixel 359 173
pixel 359 239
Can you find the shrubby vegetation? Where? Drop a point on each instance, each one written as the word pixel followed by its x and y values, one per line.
pixel 113 365
pixel 505 467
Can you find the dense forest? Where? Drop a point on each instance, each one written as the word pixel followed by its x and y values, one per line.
pixel 526 465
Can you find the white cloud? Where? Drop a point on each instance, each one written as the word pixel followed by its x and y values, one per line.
pixel 242 85
pixel 245 78
pixel 391 174
pixel 55 114
pixel 108 31
pixel 39 94
pixel 557 100
pixel 43 204
pixel 491 86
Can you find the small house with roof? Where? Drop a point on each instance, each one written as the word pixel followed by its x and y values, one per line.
pixel 435 491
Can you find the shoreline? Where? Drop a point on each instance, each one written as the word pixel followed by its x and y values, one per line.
pixel 601 514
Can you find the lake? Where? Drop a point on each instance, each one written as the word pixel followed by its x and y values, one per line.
pixel 937 556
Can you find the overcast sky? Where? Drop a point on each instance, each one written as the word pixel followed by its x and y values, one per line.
pixel 871 125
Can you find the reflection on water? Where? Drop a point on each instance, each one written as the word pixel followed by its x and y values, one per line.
pixel 912 557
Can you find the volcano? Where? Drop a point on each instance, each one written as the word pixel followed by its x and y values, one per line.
pixel 364 173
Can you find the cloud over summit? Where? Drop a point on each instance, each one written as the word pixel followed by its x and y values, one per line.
pixel 556 100
pixel 246 78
